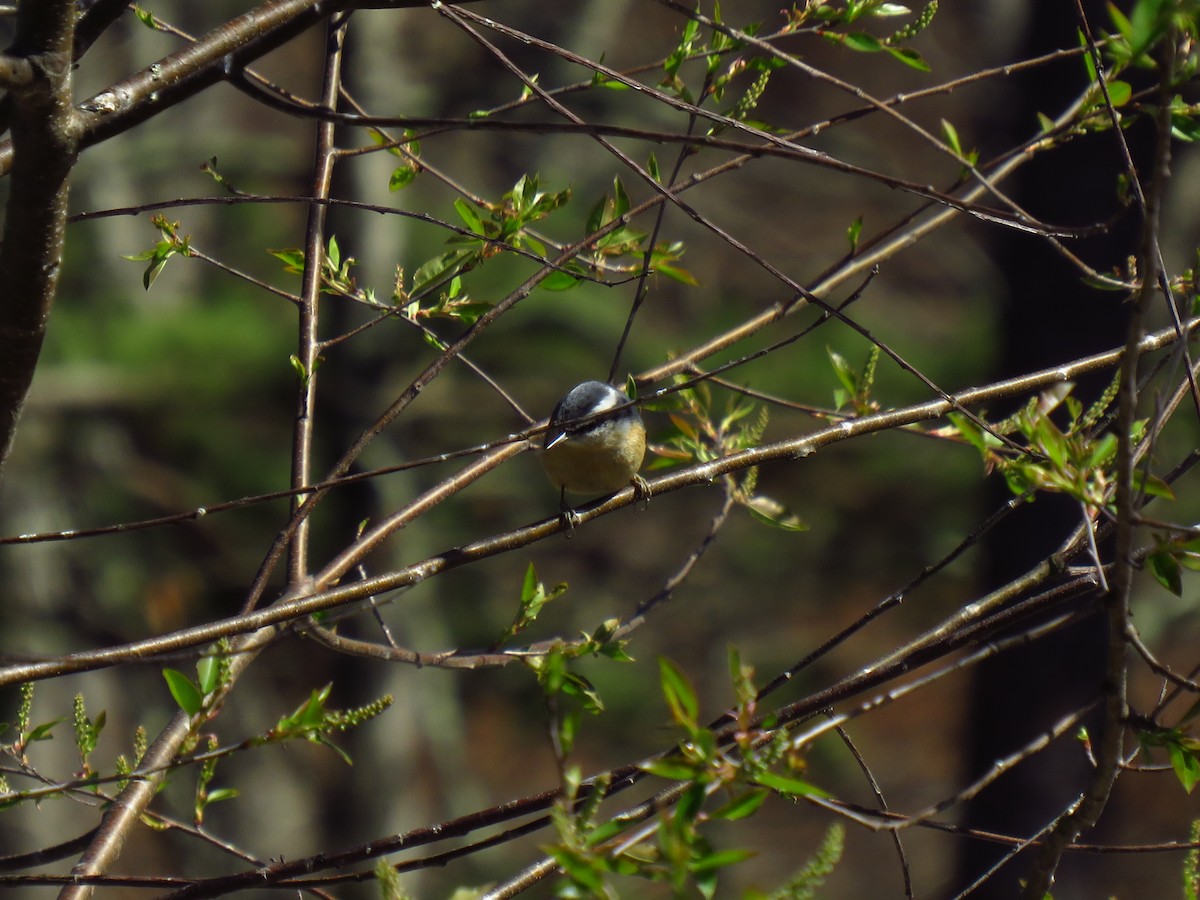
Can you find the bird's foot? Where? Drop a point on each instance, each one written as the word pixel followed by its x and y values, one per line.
pixel 570 519
pixel 641 490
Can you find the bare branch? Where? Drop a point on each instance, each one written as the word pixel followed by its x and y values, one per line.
pixel 44 145
pixel 1109 748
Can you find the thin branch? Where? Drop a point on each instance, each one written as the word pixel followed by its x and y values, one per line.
pixel 466 659
pixel 880 247
pixel 211 59
pixel 297 606
pixel 1017 221
pixel 897 841
pixel 1109 748
pixel 308 338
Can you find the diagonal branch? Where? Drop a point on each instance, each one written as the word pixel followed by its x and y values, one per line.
pixel 1109 749
pixel 215 57
pixel 297 605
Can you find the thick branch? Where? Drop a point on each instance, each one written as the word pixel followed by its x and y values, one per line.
pixel 211 59
pixel 43 150
pixel 125 810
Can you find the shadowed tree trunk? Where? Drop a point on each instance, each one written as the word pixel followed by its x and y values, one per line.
pixel 1049 316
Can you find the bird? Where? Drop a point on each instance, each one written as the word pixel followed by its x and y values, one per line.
pixel 594 444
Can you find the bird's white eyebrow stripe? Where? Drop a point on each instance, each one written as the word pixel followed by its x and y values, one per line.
pixel 608 402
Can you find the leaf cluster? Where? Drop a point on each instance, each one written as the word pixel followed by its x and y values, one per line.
pixel 172 244
pixel 702 435
pixel 1073 459
pixel 834 21
pixel 1183 750
pixel 756 764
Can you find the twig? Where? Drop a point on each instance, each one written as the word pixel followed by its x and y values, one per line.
pixel 297 606
pixel 1108 748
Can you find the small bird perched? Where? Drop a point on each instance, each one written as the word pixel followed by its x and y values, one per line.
pixel 595 442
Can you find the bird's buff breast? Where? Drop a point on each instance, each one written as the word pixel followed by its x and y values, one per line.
pixel 591 465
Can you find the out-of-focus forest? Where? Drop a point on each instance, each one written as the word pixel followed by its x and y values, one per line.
pixel 872 209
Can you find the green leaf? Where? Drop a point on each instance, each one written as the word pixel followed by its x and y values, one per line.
pixel 440 268
pixel 950 133
pixel 845 374
pixel 145 17
pixel 466 211
pixel 1185 124
pixel 524 240
pixel 1053 442
pixel 575 685
pixel 597 216
pixel 523 192
pixel 527 91
pixel 671 769
pixel 1152 485
pixel 568 727
pixel 909 57
pixel 720 859
pixel 312 713
pixel 1190 556
pixel 690 804
pixel 533 597
pixel 158 256
pixel 1122 24
pixel 402 177
pixel 675 273
pixel 1166 570
pixel 221 794
pixel 771 512
pixel 970 432
pixel 1088 62
pixel 742 806
pixel 600 79
pixel 680 697
pixel 529 585
pixel 186 694
pixel 1185 763
pixel 292 259
pixel 42 732
pixel 582 873
pixel 862 42
pixel 854 232
pixel 208 670
pixel 325 742
pixel 298 367
pixel 682 49
pixel 620 199
pixel 1119 92
pixel 558 281
pixel 378 138
pixel 1146 23
pixel 791 787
